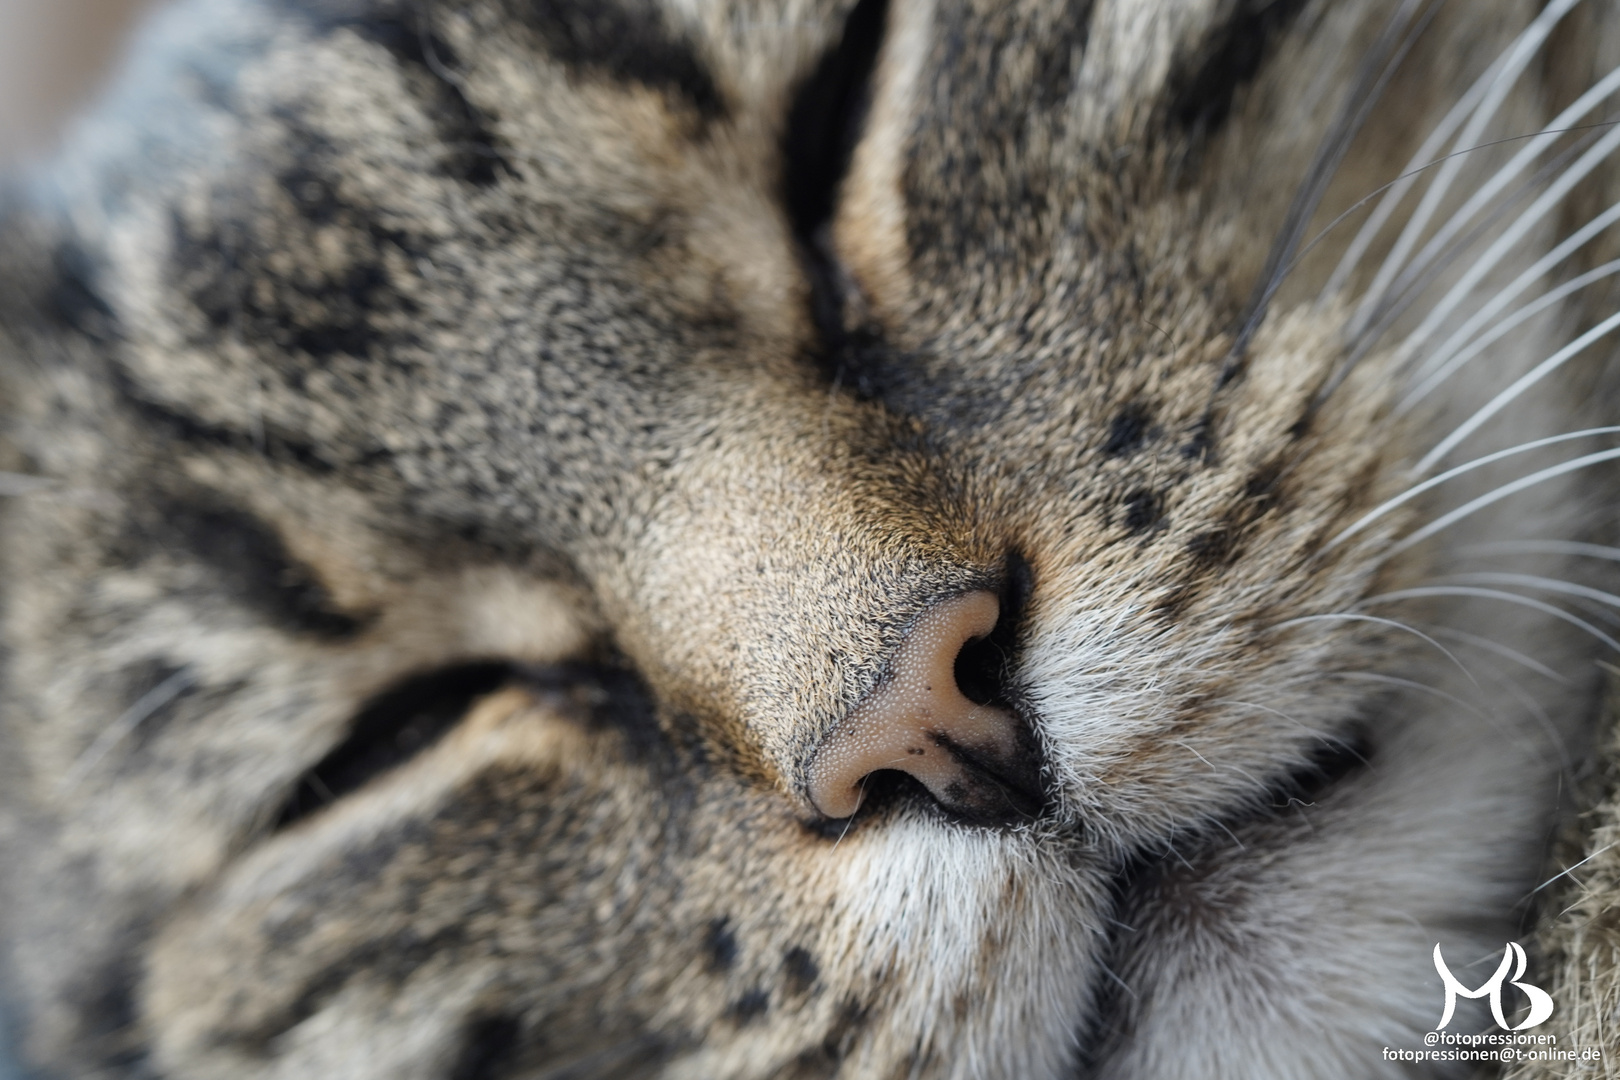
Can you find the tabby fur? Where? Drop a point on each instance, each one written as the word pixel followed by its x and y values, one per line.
pixel 467 457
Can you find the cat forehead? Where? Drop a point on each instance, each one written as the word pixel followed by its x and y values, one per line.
pixel 635 155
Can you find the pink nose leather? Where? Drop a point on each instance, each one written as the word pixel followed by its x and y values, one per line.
pixel 918 722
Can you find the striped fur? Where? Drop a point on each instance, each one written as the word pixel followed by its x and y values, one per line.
pixel 466 458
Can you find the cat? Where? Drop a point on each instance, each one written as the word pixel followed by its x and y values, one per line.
pixel 917 539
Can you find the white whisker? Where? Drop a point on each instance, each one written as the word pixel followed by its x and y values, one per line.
pixel 1409 288
pixel 1520 385
pixel 1321 736
pixel 1515 58
pixel 1514 234
pixel 1409 684
pixel 1433 591
pixel 1413 492
pixel 1544 547
pixel 1504 327
pixel 1434 691
pixel 1492 188
pixel 1571 869
pixel 1420 162
pixel 1574 242
pixel 1496 647
pixel 1500 493
pixel 1347 616
pixel 1536 581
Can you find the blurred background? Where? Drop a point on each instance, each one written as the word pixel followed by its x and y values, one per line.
pixel 54 55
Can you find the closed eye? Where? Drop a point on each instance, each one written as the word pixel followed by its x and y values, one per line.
pixel 413 715
pixel 393 727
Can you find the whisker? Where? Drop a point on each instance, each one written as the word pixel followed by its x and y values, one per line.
pixel 1520 385
pixel 1321 736
pixel 1482 317
pixel 1515 58
pixel 1398 187
pixel 1504 327
pixel 1413 492
pixel 1497 495
pixel 1411 286
pixel 1544 547
pixel 1536 581
pixel 1496 647
pixel 1537 713
pixel 1410 684
pixel 1488 192
pixel 1354 617
pixel 1569 870
pixel 1431 591
pixel 1415 281
pixel 1412 172
pixel 1528 702
pixel 1377 67
pixel 1597 611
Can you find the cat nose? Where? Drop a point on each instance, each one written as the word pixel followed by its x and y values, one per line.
pixel 976 760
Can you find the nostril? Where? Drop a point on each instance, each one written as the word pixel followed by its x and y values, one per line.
pixel 978 670
pixel 934 718
pixel 982 665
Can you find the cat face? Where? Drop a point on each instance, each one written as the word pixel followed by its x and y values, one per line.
pixel 634 540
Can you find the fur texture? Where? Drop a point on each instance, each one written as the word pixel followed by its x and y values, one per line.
pixel 468 457
pixel 1578 940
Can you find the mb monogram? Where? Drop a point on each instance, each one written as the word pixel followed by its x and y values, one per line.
pixel 1541 1003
